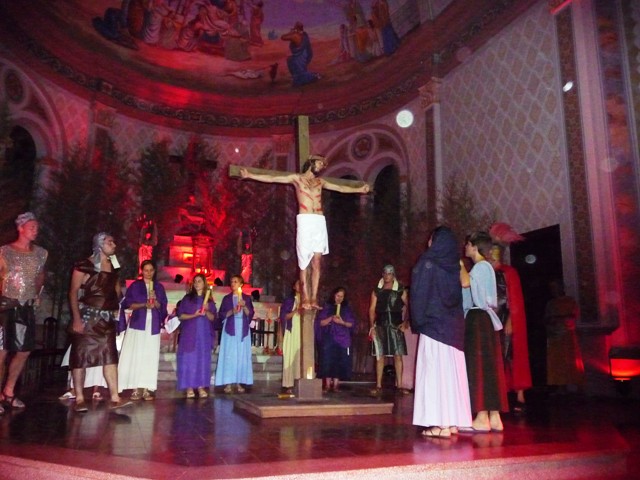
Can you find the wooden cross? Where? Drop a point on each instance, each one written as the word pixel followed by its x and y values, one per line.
pixel 302 152
pixel 308 387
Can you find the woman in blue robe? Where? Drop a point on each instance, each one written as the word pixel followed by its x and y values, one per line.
pixel 234 360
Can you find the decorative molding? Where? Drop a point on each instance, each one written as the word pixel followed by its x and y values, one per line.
pixel 103 115
pixel 14 87
pixel 430 93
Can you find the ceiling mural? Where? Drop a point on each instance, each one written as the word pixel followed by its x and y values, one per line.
pixel 246 45
pixel 232 63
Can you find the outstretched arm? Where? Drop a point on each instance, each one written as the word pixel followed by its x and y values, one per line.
pixel 342 188
pixel 267 178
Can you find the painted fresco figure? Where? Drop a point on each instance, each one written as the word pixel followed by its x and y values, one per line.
pixel 382 20
pixel 255 23
pixel 301 56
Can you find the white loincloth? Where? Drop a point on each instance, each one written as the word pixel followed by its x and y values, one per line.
pixel 311 237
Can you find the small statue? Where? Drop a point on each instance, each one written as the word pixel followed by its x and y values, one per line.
pixel 147 240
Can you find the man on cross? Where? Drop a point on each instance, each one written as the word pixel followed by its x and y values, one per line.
pixel 311 238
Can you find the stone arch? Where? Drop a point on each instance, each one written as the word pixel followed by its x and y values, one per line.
pixel 364 153
pixel 32 109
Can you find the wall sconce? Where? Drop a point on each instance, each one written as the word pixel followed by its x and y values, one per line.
pixel 624 364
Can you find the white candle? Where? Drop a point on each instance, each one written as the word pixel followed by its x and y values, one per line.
pixel 338 310
pixel 310 373
pixel 206 298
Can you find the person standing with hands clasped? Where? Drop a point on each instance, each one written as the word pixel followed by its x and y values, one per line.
pixel 140 355
pixel 234 360
pixel 197 312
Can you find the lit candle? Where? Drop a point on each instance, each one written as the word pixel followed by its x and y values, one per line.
pixel 239 292
pixel 338 310
pixel 310 373
pixel 206 298
pixel 152 296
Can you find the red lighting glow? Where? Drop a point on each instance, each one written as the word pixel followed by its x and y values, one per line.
pixel 624 362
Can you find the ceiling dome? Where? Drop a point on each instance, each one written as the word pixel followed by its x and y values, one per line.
pixel 242 67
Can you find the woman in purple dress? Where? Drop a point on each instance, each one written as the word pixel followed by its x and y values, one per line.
pixel 195 342
pixel 333 329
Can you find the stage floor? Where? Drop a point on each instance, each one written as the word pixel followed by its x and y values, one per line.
pixel 176 438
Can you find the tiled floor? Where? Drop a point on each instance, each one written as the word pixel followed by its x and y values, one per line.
pixel 174 437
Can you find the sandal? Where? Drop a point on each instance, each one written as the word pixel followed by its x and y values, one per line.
pixel 241 389
pixel 80 407
pixel 97 396
pixel 191 393
pixel 135 396
pixel 68 395
pixel 202 393
pixel 228 389
pixel 147 395
pixel 374 392
pixel 437 432
pixel 12 402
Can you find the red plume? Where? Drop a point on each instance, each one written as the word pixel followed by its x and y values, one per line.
pixel 504 233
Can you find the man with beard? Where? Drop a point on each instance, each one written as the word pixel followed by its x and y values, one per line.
pixel 311 238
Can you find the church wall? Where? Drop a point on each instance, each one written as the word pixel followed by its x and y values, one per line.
pixel 502 130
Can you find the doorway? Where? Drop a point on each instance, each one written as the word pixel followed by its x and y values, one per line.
pixel 538 260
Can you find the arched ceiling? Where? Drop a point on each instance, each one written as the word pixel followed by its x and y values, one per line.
pixel 203 65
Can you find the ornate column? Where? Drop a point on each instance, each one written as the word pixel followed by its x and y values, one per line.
pixel 430 103
pixel 601 157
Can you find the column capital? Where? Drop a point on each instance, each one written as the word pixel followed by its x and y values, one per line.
pixel 430 92
pixel 103 115
pixel 556 6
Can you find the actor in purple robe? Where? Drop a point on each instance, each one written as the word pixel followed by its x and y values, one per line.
pixel 195 342
pixel 333 328
pixel 138 293
pixel 140 354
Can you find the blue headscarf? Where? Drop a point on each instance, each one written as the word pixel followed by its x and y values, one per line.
pixel 436 292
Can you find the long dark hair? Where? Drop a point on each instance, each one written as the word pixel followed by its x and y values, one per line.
pixel 193 294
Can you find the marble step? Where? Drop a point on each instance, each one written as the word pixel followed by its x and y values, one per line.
pixel 265 367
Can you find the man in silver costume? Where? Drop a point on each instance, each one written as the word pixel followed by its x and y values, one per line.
pixel 22 276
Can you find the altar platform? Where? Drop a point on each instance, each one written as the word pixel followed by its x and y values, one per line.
pixel 560 437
